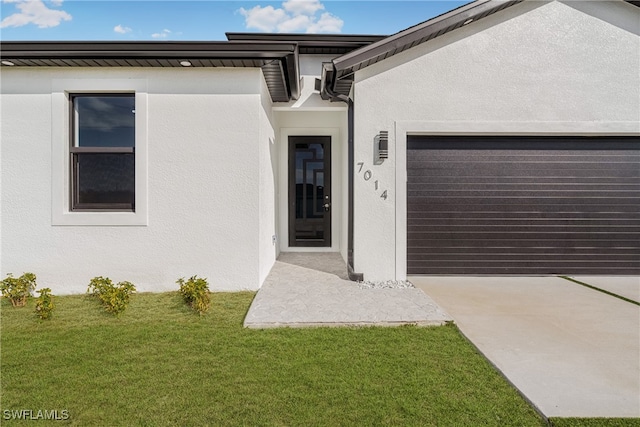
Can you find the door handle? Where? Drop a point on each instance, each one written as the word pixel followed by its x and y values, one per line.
pixel 326 206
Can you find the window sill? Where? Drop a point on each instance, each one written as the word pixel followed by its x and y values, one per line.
pixel 100 218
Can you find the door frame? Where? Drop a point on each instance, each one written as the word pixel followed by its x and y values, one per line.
pixel 292 140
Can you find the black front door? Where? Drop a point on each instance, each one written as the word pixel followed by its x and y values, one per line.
pixel 309 191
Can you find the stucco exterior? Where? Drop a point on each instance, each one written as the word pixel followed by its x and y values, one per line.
pixel 565 68
pixel 210 184
pixel 211 177
pixel 212 151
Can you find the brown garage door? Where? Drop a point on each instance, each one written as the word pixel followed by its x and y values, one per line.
pixel 523 205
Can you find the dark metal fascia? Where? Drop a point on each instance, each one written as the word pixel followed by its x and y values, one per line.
pixel 136 50
pixel 311 44
pixel 437 26
pixel 95 53
pixel 305 40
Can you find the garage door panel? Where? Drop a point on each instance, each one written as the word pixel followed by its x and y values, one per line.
pixel 522 231
pixel 520 157
pixel 506 204
pixel 529 269
pixel 523 193
pixel 551 188
pixel 513 171
pixel 536 144
pixel 510 257
pixel 523 263
pixel 514 167
pixel 435 223
pixel 502 241
pixel 632 214
pixel 525 205
pixel 417 181
pixel 489 160
pixel 432 253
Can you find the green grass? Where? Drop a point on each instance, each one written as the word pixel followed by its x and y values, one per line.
pixel 160 364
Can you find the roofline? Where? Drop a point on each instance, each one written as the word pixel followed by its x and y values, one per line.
pixel 435 27
pixel 308 39
pixel 361 58
pixel 100 50
pixel 278 60
pixel 332 45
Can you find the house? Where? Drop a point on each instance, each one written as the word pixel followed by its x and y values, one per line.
pixel 502 137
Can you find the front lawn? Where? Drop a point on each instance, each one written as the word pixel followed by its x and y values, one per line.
pixel 160 363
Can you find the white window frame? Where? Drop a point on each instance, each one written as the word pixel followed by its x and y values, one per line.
pixel 61 130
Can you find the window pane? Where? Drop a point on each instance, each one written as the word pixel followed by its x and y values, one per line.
pixel 105 178
pixel 104 121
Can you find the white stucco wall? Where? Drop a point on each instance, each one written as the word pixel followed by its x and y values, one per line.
pixel 267 191
pixel 209 162
pixel 537 67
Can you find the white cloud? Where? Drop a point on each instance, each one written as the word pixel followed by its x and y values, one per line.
pixel 35 12
pixel 327 23
pixel 263 18
pixel 292 25
pixel 294 16
pixel 302 7
pixel 162 34
pixel 121 30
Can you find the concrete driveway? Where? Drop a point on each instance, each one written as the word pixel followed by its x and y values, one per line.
pixel 571 350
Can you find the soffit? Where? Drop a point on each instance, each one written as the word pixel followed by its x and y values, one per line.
pixel 313 44
pixel 278 60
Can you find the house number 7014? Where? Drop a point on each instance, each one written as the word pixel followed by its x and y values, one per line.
pixel 367 175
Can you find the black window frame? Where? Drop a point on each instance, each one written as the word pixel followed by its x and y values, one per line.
pixel 74 151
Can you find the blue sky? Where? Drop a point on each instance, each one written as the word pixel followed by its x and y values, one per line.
pixel 123 20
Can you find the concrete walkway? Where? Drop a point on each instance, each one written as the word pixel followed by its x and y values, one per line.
pixel 312 290
pixel 625 286
pixel 571 350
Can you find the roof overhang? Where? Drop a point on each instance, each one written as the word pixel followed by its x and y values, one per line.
pixel 278 60
pixel 313 44
pixel 276 54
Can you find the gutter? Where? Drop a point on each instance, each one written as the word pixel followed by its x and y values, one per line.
pixel 325 86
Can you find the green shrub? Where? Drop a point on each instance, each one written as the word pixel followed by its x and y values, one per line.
pixel 18 289
pixel 195 292
pixel 44 304
pixel 115 298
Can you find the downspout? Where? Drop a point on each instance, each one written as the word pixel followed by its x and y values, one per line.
pixel 335 97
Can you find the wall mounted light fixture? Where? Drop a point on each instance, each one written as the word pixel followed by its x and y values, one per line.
pixel 380 147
